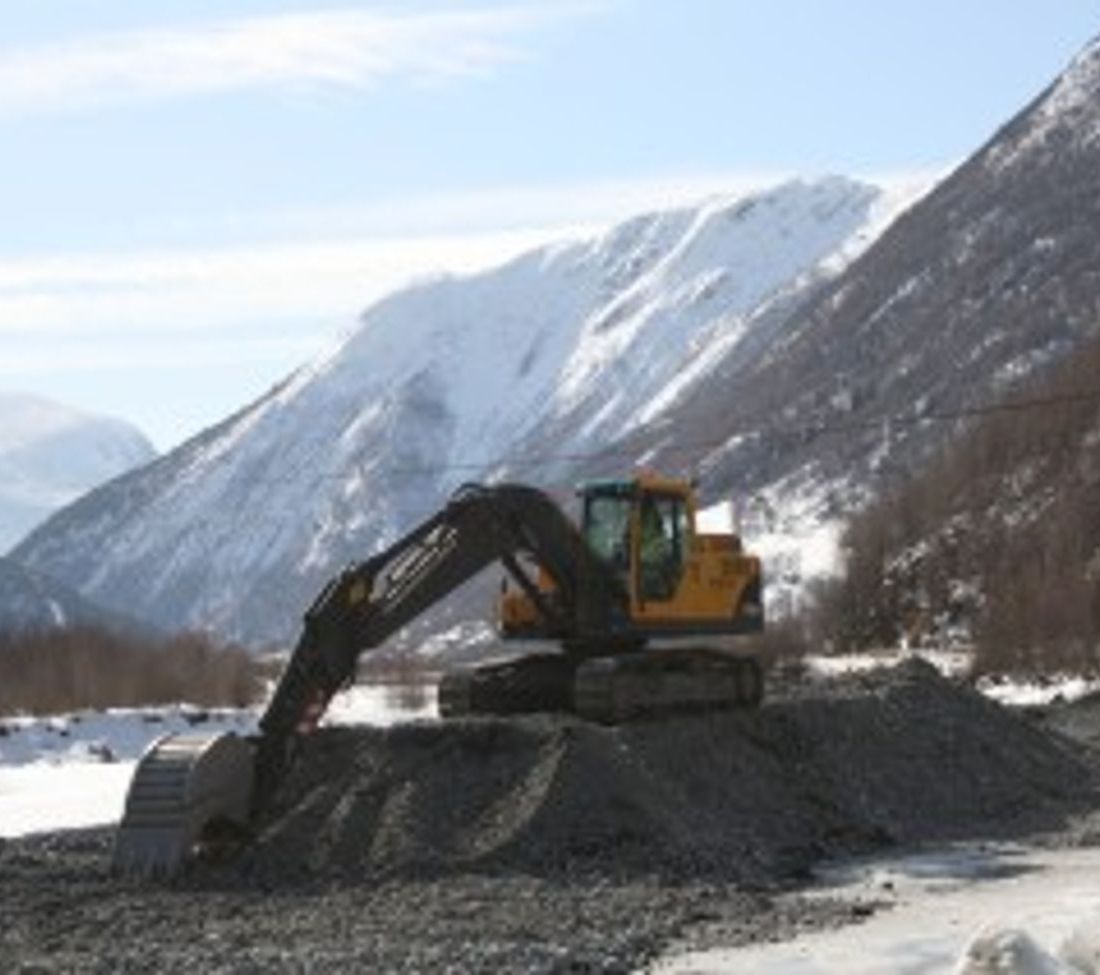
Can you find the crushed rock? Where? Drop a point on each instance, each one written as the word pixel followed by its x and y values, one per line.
pixel 546 845
pixel 894 756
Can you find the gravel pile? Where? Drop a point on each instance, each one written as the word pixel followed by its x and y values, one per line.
pixel 549 845
pixel 63 911
pixel 899 756
pixel 1079 719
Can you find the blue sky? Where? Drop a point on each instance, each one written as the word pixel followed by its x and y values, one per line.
pixel 198 196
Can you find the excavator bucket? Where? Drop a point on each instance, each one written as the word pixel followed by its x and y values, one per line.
pixel 184 787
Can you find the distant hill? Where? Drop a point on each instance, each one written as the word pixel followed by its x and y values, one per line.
pixel 51 454
pixel 30 601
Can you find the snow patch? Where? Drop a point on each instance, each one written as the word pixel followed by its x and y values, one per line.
pixel 950 663
pixel 1026 910
pixel 1017 692
pixel 73 770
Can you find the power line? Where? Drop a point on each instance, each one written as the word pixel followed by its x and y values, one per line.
pixel 762 432
pixel 251 513
pixel 251 517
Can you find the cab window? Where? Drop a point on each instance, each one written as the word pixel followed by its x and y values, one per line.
pixel 607 528
pixel 663 530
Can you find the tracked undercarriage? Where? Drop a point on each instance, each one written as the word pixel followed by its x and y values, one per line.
pixel 608 689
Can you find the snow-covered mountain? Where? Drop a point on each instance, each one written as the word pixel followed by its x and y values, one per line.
pixel 51 454
pixel 443 383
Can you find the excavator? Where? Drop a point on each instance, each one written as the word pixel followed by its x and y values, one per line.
pixel 630 595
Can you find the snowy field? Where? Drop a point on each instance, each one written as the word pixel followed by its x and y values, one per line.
pixel 73 770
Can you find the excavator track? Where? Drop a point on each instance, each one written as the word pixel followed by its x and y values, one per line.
pixel 541 682
pixel 187 791
pixel 606 689
pixel 613 689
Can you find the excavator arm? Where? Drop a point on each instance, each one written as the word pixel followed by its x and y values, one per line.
pixel 356 612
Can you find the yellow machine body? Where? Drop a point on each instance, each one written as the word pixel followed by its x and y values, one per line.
pixel 679 581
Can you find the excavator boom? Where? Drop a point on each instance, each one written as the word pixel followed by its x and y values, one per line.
pixel 355 612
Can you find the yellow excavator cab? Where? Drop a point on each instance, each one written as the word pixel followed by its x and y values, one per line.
pixel 679 581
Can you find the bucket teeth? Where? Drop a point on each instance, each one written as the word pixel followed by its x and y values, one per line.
pixel 182 785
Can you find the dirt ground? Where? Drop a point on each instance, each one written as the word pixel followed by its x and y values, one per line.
pixel 545 844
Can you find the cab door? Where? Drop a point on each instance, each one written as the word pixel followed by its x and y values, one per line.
pixel 661 547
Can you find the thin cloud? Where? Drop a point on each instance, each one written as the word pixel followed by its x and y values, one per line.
pixel 582 203
pixel 198 290
pixel 355 50
pixel 341 260
pixel 95 356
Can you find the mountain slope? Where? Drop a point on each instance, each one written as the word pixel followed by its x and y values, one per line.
pixel 997 542
pixel 441 383
pixel 31 602
pixel 51 454
pixel 995 273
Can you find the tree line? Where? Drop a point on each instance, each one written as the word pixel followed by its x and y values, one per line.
pixel 996 542
pixel 59 670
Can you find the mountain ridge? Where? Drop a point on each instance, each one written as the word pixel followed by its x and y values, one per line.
pixel 50 454
pixel 989 277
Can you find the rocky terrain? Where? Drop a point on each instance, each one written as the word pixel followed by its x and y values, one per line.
pixel 548 845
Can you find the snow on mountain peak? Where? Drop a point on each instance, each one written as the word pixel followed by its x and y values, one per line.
pixel 1068 113
pixel 1079 81
pixel 50 454
pixel 727 260
pixel 1073 98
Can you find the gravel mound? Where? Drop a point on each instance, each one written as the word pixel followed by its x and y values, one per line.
pixel 551 846
pixel 897 756
pixel 1079 719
